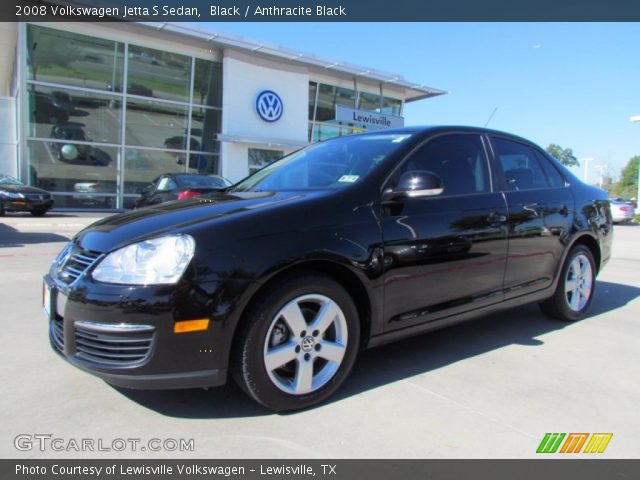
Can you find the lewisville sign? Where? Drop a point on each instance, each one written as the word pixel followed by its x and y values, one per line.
pixel 372 120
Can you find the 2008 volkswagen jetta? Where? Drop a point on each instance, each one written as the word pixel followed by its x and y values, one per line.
pixel 281 279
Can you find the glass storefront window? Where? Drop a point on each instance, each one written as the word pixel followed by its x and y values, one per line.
pixel 153 124
pixel 68 167
pixel 369 101
pixel 259 158
pixel 208 164
pixel 207 83
pixel 330 96
pixel 206 123
pixel 67 58
pixel 141 167
pixel 68 129
pixel 391 106
pixel 154 73
pixel 325 132
pixel 73 115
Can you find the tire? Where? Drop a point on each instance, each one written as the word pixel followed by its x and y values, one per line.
pixel 1 209
pixel 576 287
pixel 311 364
pixel 38 212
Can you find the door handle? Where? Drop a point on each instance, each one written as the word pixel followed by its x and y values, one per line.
pixel 495 217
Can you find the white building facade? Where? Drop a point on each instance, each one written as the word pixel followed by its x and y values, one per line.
pixel 94 112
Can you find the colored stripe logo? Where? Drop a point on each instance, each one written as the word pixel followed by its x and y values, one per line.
pixel 573 443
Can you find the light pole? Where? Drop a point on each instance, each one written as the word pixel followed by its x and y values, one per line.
pixel 636 119
pixel 585 175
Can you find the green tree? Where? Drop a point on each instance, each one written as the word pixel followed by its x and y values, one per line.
pixel 627 187
pixel 564 155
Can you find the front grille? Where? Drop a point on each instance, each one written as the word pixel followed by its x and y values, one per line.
pixel 116 345
pixel 57 333
pixel 76 264
pixel 37 196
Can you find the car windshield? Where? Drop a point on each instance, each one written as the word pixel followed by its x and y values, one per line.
pixel 7 180
pixel 201 181
pixel 330 165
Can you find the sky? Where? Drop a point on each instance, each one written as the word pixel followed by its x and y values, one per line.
pixel 573 84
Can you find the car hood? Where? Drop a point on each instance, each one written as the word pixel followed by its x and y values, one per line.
pixel 119 230
pixel 22 189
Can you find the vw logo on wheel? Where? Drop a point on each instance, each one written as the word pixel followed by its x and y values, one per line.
pixel 308 343
pixel 269 106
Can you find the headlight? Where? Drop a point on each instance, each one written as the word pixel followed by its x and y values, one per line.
pixel 159 261
pixel 11 195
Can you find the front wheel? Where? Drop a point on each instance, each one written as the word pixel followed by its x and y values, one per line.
pixel 576 287
pixel 297 344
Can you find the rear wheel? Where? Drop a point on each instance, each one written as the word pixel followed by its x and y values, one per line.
pixel 1 209
pixel 297 344
pixel 576 287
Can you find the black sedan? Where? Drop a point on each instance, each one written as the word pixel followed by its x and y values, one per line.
pixel 179 186
pixel 344 245
pixel 15 196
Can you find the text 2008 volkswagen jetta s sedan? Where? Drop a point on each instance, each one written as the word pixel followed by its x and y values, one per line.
pixel 281 279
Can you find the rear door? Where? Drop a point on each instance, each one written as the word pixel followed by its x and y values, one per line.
pixel 541 214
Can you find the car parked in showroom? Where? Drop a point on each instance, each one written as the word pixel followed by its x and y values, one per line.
pixel 15 196
pixel 179 186
pixel 95 193
pixel 621 210
pixel 282 279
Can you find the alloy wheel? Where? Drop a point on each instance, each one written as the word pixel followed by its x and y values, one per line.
pixel 305 344
pixel 578 283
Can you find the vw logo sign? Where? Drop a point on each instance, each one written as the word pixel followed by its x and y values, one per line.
pixel 269 106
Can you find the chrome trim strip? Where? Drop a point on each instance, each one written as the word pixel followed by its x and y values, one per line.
pixel 113 327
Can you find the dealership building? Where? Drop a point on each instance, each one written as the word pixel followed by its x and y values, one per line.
pixel 93 112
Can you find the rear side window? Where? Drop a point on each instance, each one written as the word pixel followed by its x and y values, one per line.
pixel 555 179
pixel 522 170
pixel 458 159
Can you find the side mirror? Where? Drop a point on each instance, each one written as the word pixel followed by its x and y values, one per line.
pixel 416 184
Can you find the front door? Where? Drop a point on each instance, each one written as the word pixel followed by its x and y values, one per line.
pixel 445 254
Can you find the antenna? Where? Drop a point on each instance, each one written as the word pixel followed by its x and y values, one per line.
pixel 491 116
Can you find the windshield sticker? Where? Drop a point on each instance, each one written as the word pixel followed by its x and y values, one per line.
pixel 348 178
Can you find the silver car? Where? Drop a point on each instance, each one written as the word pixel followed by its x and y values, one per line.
pixel 621 211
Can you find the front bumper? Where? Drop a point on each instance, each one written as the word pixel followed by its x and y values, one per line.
pixel 125 335
pixel 27 205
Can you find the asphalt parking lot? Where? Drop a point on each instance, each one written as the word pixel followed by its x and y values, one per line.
pixel 485 389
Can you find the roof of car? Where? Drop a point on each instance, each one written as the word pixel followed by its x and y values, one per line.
pixel 443 128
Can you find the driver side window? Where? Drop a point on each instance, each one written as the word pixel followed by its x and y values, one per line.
pixel 458 159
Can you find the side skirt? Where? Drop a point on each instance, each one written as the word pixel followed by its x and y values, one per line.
pixel 444 322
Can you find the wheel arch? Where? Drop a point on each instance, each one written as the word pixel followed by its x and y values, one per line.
pixel 591 243
pixel 338 272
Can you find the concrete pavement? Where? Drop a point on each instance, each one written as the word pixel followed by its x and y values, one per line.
pixel 485 389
